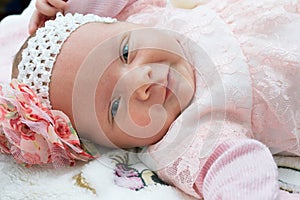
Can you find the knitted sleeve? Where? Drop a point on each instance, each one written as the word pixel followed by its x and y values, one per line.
pixel 242 169
pixel 120 9
pixel 224 166
pixel 105 8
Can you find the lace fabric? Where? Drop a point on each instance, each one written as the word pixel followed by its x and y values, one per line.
pixel 269 42
pixel 253 45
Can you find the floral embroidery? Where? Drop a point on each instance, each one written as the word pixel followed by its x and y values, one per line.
pixel 34 134
pixel 129 177
pixel 126 175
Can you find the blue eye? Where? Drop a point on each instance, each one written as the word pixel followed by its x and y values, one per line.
pixel 125 53
pixel 114 107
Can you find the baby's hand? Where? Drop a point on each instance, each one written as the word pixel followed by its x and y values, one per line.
pixel 45 9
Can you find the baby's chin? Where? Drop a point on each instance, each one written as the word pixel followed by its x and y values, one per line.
pixel 141 142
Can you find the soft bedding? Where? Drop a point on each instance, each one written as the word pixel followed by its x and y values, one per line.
pixel 116 174
pixel 289 173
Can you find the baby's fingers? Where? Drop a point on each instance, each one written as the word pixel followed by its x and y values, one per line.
pixel 46 9
pixel 37 20
pixel 59 4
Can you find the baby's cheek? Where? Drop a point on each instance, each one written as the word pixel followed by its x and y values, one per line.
pixel 143 113
pixel 146 120
pixel 139 115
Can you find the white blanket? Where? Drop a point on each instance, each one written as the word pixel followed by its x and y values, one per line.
pixel 95 180
pixel 99 180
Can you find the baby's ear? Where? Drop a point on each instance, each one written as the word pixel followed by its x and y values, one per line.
pixel 187 4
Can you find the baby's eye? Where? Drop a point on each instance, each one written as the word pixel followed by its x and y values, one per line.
pixel 114 107
pixel 125 53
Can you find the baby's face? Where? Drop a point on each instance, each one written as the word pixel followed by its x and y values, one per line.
pixel 136 81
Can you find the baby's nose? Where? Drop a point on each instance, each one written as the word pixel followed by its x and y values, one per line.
pixel 146 72
pixel 159 74
pixel 143 81
pixel 143 92
pixel 148 76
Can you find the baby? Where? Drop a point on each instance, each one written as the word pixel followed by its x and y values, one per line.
pixel 197 109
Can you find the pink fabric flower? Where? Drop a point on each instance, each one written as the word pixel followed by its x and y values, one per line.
pixel 34 134
pixel 3 143
pixel 33 158
pixel 24 130
pixel 2 112
pixel 61 127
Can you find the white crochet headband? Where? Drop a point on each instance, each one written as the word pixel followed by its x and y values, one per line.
pixel 39 57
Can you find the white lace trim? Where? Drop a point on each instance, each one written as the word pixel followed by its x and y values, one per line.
pixel 39 57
